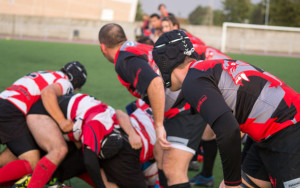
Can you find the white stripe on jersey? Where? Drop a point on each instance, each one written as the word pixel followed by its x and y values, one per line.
pixel 146 120
pixel 21 105
pixel 32 83
pixel 102 117
pixel 85 104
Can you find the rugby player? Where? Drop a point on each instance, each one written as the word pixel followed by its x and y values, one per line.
pixel 95 128
pixel 232 95
pixel 15 103
pixel 138 73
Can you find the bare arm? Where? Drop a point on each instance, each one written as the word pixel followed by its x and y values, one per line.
pixel 156 94
pixel 49 97
pixel 124 121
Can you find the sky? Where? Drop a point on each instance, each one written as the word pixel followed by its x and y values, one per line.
pixel 181 8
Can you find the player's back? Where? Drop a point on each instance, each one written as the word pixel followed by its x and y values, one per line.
pixel 261 103
pixel 27 90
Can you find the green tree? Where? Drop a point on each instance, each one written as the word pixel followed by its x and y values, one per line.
pixel 258 12
pixel 237 10
pixel 139 12
pixel 284 13
pixel 219 17
pixel 199 16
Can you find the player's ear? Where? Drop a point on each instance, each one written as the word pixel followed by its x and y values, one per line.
pixel 103 48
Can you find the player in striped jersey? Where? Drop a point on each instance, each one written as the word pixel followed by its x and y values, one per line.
pixel 93 121
pixel 93 127
pixel 15 103
pixel 233 95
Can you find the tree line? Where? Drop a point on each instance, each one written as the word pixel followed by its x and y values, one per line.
pixel 280 13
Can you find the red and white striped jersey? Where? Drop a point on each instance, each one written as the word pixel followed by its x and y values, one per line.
pixel 27 90
pixel 88 111
pixel 142 120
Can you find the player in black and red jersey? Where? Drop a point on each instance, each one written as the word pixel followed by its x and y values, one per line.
pixel 15 103
pixel 233 95
pixel 136 69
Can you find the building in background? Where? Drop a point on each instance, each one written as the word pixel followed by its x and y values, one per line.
pixel 105 10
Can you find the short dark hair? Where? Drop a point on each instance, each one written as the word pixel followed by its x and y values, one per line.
pixel 172 19
pixel 154 15
pixel 160 5
pixel 146 40
pixel 111 35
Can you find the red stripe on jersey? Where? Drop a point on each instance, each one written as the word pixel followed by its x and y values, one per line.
pixel 40 81
pixel 58 76
pixel 261 131
pixel 24 93
pixel 142 106
pixel 75 106
pixel 127 85
pixel 136 78
pixel 149 153
pixel 173 111
pixel 71 137
pixel 140 49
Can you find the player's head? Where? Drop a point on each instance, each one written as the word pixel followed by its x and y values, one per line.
pixel 111 145
pixel 111 36
pixel 146 40
pixel 76 73
pixel 169 51
pixel 155 21
pixel 169 23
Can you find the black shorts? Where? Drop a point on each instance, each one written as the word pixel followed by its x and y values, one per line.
pixel 276 159
pixel 12 122
pixel 184 131
pixel 22 144
pixel 72 165
pixel 38 107
pixel 125 169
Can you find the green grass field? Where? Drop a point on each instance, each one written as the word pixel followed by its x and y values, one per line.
pixel 21 57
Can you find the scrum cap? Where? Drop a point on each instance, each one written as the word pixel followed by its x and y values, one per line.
pixel 76 73
pixel 111 145
pixel 170 50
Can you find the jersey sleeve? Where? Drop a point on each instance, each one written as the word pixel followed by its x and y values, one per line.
pixel 202 93
pixel 66 86
pixel 138 73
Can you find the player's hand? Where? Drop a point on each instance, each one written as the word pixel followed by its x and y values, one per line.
pixel 66 125
pixel 161 137
pixel 135 141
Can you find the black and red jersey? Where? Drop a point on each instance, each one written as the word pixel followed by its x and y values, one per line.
pixel 261 103
pixel 135 67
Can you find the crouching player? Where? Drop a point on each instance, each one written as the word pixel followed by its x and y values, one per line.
pixel 94 128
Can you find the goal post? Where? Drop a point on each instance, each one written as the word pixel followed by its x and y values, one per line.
pixel 261 38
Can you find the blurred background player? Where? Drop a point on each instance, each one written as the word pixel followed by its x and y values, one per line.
pixel 16 101
pixel 155 23
pixel 163 11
